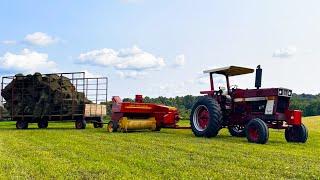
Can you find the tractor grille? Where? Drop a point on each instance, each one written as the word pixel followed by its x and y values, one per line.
pixel 283 104
pixel 258 106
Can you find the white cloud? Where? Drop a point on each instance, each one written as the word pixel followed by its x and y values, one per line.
pixel 40 39
pixel 104 57
pixel 285 52
pixel 9 42
pixel 133 59
pixel 27 61
pixel 131 74
pixel 179 61
pixel 89 74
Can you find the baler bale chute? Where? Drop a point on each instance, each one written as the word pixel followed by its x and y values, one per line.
pixel 128 116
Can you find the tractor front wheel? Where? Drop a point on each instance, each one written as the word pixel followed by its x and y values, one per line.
pixel 22 124
pixel 80 124
pixel 237 131
pixel 257 131
pixel 296 134
pixel 206 118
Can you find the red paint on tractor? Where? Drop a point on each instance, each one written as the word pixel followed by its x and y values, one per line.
pixel 235 107
pixel 294 117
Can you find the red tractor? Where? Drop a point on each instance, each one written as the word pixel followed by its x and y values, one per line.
pixel 246 112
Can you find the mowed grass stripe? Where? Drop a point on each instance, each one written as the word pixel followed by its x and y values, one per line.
pixel 64 152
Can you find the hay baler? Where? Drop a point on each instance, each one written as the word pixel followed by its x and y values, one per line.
pixel 129 116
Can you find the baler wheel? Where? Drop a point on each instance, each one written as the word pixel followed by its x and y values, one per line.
pixel 296 134
pixel 21 124
pixel 80 124
pixel 257 131
pixel 42 124
pixel 237 131
pixel 112 127
pixel 158 128
pixel 206 118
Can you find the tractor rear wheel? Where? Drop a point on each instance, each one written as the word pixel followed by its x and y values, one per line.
pixel 296 134
pixel 22 124
pixel 206 118
pixel 42 124
pixel 81 124
pixel 257 131
pixel 237 131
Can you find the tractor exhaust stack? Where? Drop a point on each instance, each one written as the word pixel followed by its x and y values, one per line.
pixel 258 77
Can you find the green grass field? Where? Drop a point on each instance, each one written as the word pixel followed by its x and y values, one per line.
pixel 64 152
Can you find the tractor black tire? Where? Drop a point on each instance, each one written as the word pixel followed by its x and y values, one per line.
pixel 22 124
pixel 42 124
pixel 80 124
pixel 112 126
pixel 257 131
pixel 237 131
pixel 296 134
pixel 214 117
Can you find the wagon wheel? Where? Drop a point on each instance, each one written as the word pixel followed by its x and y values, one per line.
pixel 80 124
pixel 42 124
pixel 98 123
pixel 21 124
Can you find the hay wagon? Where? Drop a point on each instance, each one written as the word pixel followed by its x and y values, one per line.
pixel 41 98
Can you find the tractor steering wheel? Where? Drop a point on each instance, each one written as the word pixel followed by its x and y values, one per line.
pixel 234 87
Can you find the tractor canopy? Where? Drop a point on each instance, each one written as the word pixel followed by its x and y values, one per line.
pixel 230 71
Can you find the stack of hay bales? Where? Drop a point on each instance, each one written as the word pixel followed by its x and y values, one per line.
pixel 40 95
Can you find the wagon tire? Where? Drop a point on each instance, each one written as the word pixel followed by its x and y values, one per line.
pixel 206 117
pixel 42 124
pixel 297 134
pixel 98 124
pixel 80 124
pixel 237 131
pixel 257 131
pixel 22 124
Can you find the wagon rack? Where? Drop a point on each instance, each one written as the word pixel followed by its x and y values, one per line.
pixel 92 109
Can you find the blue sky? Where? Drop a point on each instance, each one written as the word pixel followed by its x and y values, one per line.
pixel 160 48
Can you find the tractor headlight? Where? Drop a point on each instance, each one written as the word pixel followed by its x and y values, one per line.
pixel 290 93
pixel 280 92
